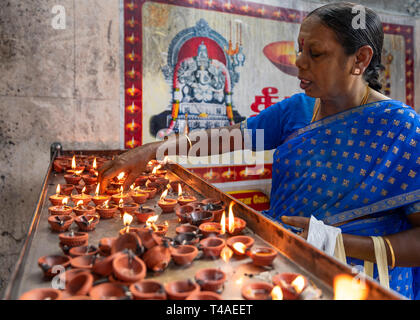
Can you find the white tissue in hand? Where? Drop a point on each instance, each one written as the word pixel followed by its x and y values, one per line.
pixel 322 236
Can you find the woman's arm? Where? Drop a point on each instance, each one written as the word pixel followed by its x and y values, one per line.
pixel 203 143
pixel 406 244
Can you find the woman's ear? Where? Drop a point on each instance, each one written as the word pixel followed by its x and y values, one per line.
pixel 363 57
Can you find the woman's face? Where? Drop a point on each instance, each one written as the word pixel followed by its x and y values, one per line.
pixel 324 68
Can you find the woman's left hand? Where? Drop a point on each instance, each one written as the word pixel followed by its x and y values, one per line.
pixel 298 222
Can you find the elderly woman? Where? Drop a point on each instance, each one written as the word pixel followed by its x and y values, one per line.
pixel 345 153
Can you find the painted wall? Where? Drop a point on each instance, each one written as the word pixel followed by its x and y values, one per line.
pixel 64 85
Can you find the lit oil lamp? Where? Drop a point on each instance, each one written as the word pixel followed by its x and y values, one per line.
pixel 125 197
pixel 226 253
pixel 92 177
pixel 86 198
pixel 138 196
pixel 118 181
pixel 141 180
pixel 184 199
pixel 74 167
pixel 144 213
pixel 347 287
pixel 166 204
pixel 82 209
pixel 105 210
pixel 291 284
pixel 132 126
pixel 263 256
pixel 127 219
pixel 240 244
pixel 62 209
pixel 234 224
pixel 86 222
pixel 99 199
pixel 276 293
pixel 210 228
pixel 128 207
pixel 57 198
pixel 133 91
pixel 151 191
pixel 73 178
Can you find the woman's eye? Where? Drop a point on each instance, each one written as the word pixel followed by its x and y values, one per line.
pixel 315 55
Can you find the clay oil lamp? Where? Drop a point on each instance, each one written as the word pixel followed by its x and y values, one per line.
pixel 234 224
pixel 74 169
pixel 162 182
pixel 212 247
pixel 80 285
pixel 154 174
pixel 128 268
pixel 127 207
pixel 199 217
pixel 87 222
pixel 214 206
pixel 82 209
pixel 90 178
pixel 166 204
pixel 47 264
pixel 210 228
pixel 138 196
pixel 151 191
pixel 83 262
pixel 204 295
pixel 159 229
pixel 105 245
pixel 60 223
pixel 186 228
pixel 190 238
pixel 181 289
pixel 66 189
pixel 210 279
pixel 158 257
pixel 99 199
pixel 291 284
pixel 128 240
pixel 144 213
pixel 64 209
pixel 184 254
pixel 73 239
pixel 89 188
pixel 112 191
pixel 257 291
pixel 148 238
pixel 127 219
pixel 83 251
pixel 41 294
pixel 73 178
pixel 141 180
pixel 263 256
pixel 108 291
pixel 57 198
pixel 240 244
pixel 183 212
pixel 106 210
pixel 118 181
pixel 86 198
pixel 124 196
pixel 148 290
pixel 102 266
pixel 184 199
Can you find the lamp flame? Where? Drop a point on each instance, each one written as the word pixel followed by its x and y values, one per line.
pixel 150 223
pixel 106 204
pixel 73 162
pixel 120 176
pixel 94 164
pixel 347 287
pixel 223 223
pixel 276 293
pixel 298 284
pixel 155 169
pixel 97 190
pixel 127 219
pixel 239 247
pixel 57 190
pixel 83 190
pixel 132 187
pixel 65 201
pixel 164 194
pixel 179 190
pixel 121 203
pixel 78 173
pixel 231 219
pixel 79 203
pixel 226 254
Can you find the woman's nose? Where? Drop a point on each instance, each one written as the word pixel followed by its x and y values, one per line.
pixel 301 62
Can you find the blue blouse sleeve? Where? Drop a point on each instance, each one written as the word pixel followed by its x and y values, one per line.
pixel 278 121
pixel 412 208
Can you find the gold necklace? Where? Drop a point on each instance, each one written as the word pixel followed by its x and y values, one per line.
pixel 318 103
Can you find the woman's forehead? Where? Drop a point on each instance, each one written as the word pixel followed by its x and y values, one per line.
pixel 313 31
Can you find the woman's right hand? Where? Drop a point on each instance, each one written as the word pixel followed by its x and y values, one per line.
pixel 132 162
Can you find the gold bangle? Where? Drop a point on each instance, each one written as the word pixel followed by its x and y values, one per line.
pixel 392 252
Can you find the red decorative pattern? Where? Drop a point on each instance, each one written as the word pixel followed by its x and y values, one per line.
pixel 133 115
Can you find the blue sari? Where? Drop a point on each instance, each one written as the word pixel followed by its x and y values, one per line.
pixel 360 163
